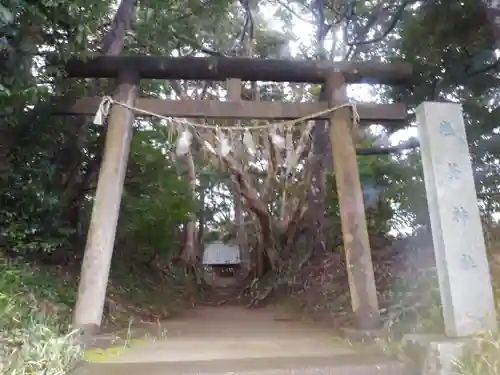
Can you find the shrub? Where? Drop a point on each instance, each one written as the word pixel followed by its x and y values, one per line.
pixel 34 323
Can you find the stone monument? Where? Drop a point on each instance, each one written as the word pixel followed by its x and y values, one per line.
pixel 462 265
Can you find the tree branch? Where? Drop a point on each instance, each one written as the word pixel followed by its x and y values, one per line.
pixel 293 12
pixel 408 145
pixel 376 15
pixel 195 44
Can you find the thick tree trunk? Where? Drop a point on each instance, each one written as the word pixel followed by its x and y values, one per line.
pixel 320 162
pixel 113 42
pixel 189 252
pixel 234 94
pixel 241 234
pixel 259 208
pixel 77 178
pixel 201 220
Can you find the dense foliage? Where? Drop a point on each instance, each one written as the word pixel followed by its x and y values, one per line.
pixel 49 165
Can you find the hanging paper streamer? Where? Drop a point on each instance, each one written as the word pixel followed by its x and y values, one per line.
pixel 224 145
pixel 277 139
pixel 103 110
pixel 293 160
pixel 249 142
pixel 289 143
pixel 305 137
pixel 184 143
pixel 236 142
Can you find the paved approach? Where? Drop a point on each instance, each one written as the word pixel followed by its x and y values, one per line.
pixel 235 340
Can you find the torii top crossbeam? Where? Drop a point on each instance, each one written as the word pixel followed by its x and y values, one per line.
pixel 247 69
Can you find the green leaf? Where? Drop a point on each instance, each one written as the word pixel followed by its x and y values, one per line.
pixel 6 16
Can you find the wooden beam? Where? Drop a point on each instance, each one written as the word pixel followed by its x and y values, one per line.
pixel 247 69
pixel 231 109
pixel 102 229
pixel 352 213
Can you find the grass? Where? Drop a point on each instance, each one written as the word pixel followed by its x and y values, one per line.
pixel 35 315
pixel 480 356
pixel 481 353
pixel 101 355
pixel 34 336
pixel 120 345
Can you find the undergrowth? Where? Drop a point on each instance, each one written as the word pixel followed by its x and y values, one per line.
pixel 36 307
pixel 35 316
pixel 480 356
pixel 410 303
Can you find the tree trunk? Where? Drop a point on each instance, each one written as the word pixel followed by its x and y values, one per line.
pixel 258 207
pixel 201 220
pixel 113 42
pixel 189 252
pixel 251 7
pixel 234 94
pixel 241 234
pixel 320 161
pixel 77 180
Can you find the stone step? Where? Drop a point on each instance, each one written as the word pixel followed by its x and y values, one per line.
pixel 222 295
pixel 338 365
pixel 226 292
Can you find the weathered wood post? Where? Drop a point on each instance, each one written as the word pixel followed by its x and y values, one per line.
pixel 101 234
pixel 352 212
pixel 462 264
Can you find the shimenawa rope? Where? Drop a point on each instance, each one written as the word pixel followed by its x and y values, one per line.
pixel 107 101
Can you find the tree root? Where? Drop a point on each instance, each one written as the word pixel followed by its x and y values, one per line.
pixel 259 295
pixel 259 299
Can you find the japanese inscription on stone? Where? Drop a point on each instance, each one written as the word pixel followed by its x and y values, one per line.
pixel 456 227
pixel 459 213
pixel 467 262
pixel 446 129
pixel 454 171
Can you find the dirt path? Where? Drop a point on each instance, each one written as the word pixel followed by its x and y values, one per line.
pixel 220 339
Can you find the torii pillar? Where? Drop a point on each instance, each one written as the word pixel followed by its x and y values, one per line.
pixel 103 222
pixel 360 272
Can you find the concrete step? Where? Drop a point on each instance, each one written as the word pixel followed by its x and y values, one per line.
pixel 338 365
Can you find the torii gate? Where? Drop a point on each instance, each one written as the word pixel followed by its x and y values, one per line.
pixel 129 70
